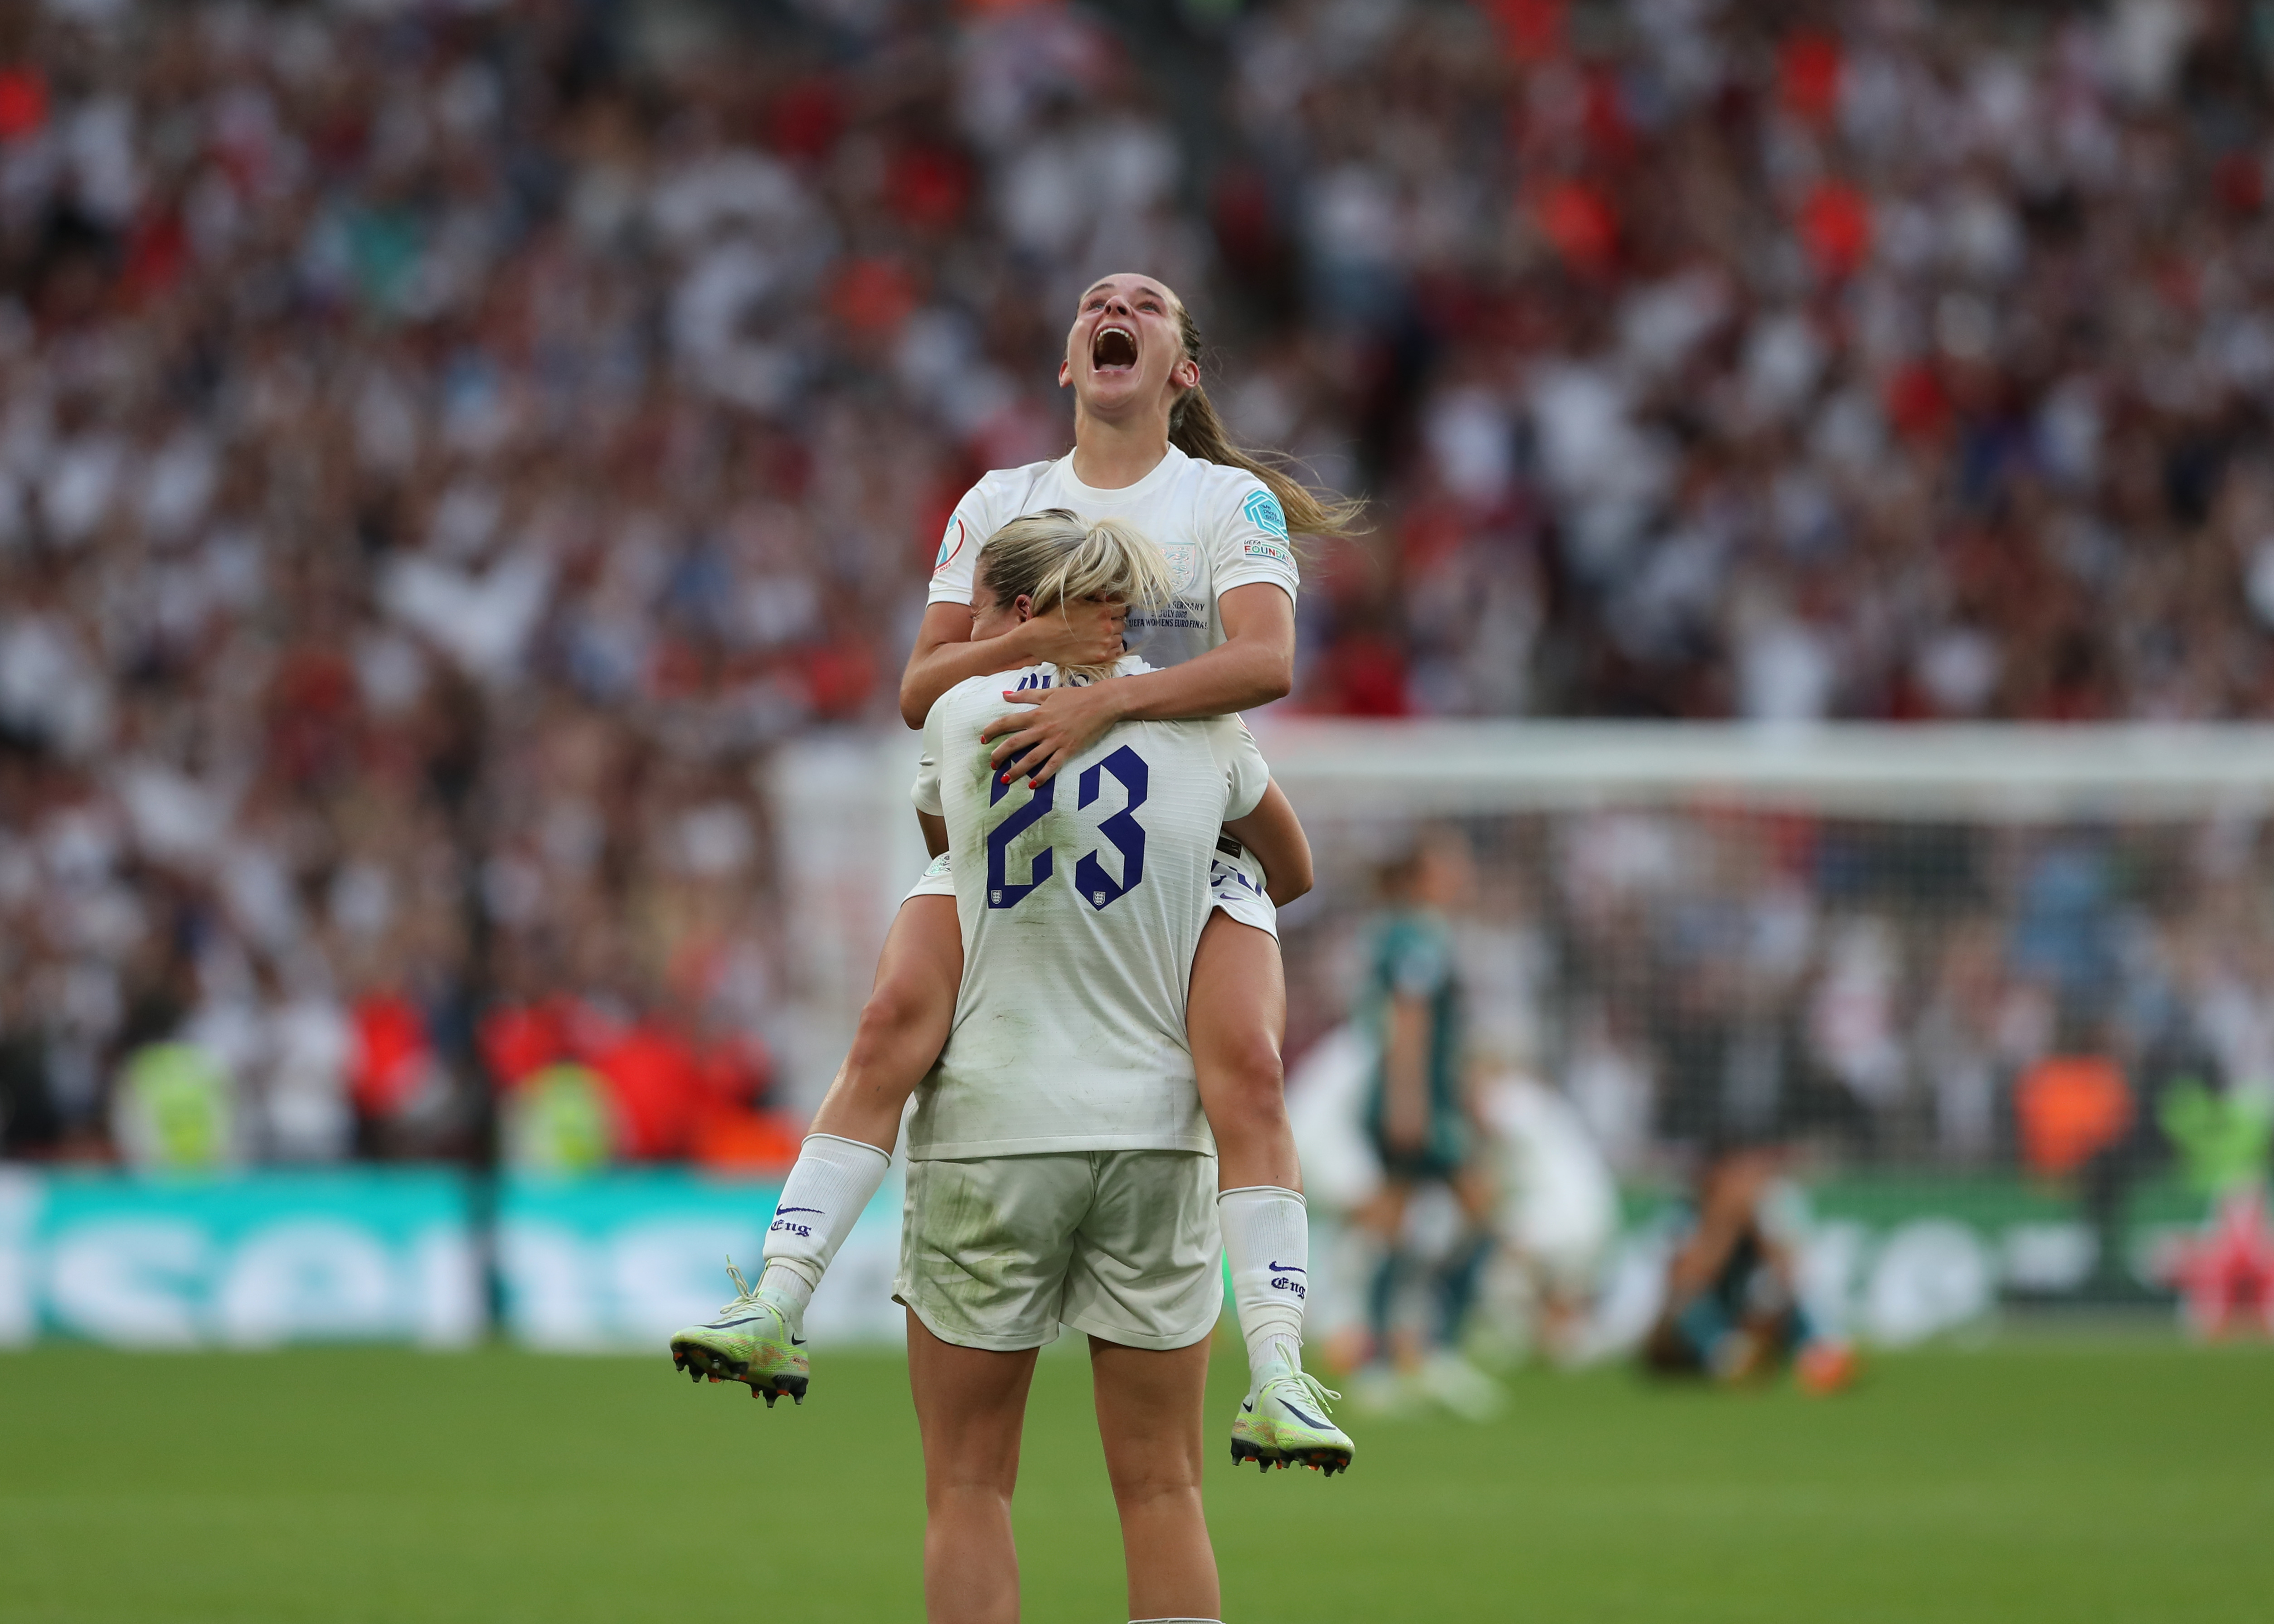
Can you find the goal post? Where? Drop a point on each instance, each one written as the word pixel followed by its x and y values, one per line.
pixel 2006 773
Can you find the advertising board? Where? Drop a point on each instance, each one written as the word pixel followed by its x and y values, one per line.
pixel 246 1260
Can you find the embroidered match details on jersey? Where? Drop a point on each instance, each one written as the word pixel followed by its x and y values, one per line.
pixel 1220 527
pixel 1082 903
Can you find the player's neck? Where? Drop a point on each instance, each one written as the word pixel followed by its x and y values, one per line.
pixel 1113 456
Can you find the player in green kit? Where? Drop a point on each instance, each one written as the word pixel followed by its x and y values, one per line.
pixel 1419 1113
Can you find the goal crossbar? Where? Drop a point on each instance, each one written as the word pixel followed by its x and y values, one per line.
pixel 2015 773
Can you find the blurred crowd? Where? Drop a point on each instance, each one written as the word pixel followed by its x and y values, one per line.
pixel 445 446
pixel 1779 361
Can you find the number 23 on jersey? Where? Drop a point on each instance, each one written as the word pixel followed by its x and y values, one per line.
pixel 1098 888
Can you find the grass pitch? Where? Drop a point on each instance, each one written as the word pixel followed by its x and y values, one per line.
pixel 2075 1481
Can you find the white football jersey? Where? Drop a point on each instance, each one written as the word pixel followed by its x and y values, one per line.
pixel 1221 528
pixel 1081 904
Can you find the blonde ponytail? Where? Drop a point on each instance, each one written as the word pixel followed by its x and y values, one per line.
pixel 1195 430
pixel 1054 558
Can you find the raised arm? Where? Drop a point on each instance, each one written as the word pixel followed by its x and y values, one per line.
pixel 1275 834
pixel 1087 634
pixel 1253 666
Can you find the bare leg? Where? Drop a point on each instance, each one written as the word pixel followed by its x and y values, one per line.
pixel 970 1404
pixel 903 1026
pixel 1148 1415
pixel 1384 1211
pixel 1383 1216
pixel 1236 1019
pixel 1472 1187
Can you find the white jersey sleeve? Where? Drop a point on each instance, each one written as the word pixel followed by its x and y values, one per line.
pixel 968 530
pixel 925 791
pixel 998 498
pixel 1247 533
pixel 1246 774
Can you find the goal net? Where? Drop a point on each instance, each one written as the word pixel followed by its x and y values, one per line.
pixel 2008 992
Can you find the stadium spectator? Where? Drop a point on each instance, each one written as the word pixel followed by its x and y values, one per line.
pixel 445 446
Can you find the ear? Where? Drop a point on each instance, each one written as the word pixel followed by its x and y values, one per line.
pixel 1065 373
pixel 1023 606
pixel 1186 374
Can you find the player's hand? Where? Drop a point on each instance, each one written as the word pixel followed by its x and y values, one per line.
pixel 1089 633
pixel 1062 724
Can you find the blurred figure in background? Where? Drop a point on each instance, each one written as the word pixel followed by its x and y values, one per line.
pixel 175 1106
pixel 1327 1089
pixel 1558 1209
pixel 1421 1121
pixel 1733 1310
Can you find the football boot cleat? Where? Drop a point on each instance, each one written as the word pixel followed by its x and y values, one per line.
pixel 1284 1423
pixel 749 1341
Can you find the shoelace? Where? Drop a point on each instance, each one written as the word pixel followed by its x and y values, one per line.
pixel 748 1296
pixel 1319 1392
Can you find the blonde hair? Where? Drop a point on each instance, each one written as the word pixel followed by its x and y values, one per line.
pixel 1195 430
pixel 1053 558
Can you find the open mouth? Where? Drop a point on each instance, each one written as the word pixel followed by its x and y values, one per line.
pixel 1114 348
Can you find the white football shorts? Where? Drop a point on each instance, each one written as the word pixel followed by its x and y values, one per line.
pixel 938 880
pixel 1562 1233
pixel 1235 885
pixel 998 1251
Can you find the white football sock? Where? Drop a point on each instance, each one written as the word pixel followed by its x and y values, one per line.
pixel 1267 1236
pixel 823 1197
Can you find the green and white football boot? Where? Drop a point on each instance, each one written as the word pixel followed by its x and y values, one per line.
pixel 750 1341
pixel 1285 1424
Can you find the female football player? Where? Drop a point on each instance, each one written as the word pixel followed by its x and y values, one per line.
pixel 1059 1169
pixel 1148 450
pixel 1057 1156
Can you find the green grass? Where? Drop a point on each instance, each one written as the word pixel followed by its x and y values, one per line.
pixel 2061 1481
